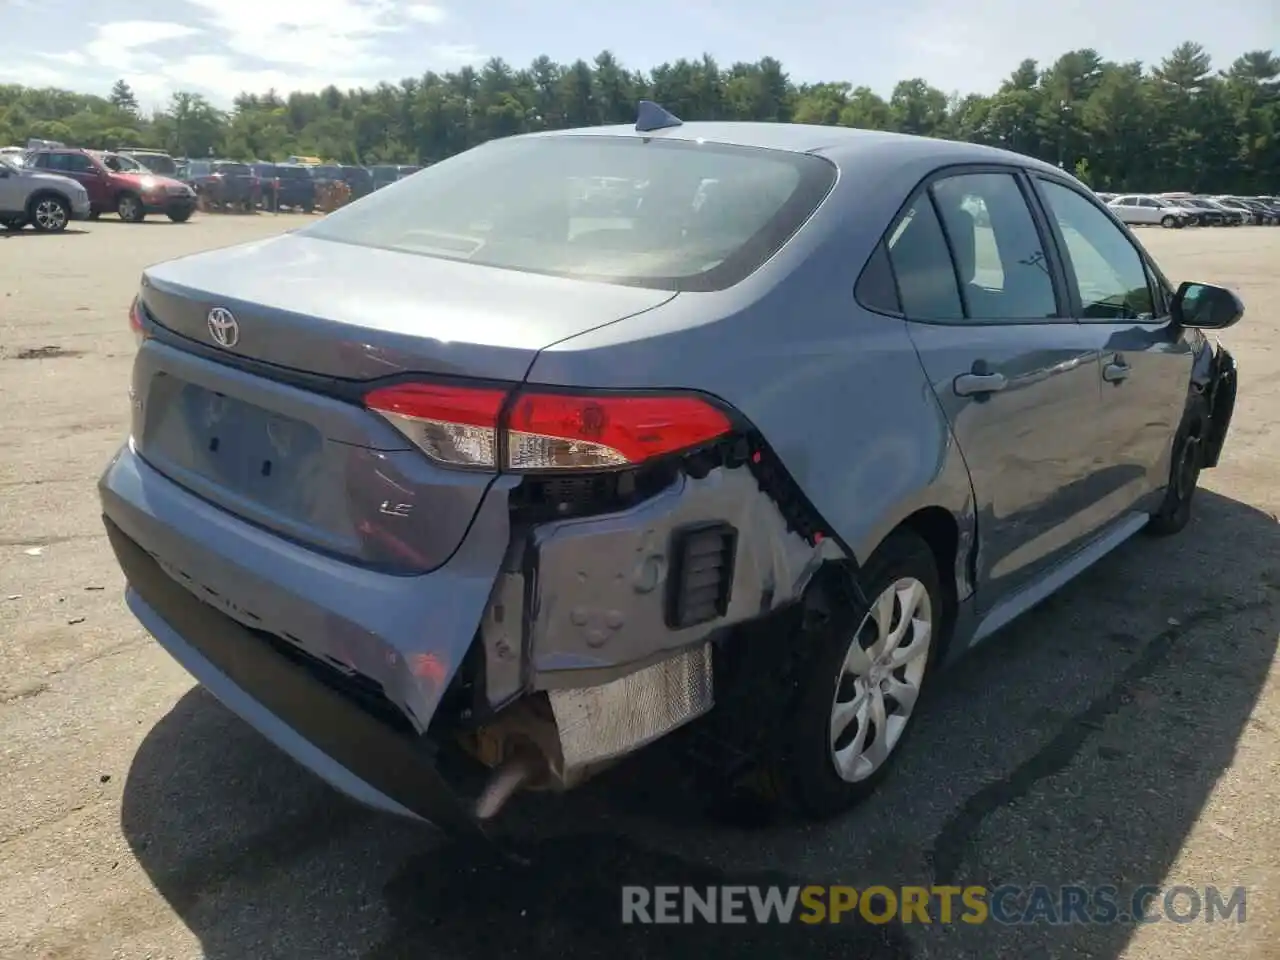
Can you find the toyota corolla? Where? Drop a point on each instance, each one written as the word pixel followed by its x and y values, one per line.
pixel 488 480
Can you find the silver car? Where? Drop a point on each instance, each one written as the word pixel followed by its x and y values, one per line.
pixel 466 487
pixel 1143 210
pixel 45 200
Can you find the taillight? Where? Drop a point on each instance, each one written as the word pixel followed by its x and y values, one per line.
pixel 135 321
pixel 454 425
pixel 541 430
pixel 550 431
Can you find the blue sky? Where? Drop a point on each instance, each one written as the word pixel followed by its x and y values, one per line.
pixel 219 47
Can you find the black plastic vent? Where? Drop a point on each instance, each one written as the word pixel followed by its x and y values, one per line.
pixel 701 577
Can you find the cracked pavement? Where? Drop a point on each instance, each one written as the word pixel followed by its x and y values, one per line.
pixel 1125 732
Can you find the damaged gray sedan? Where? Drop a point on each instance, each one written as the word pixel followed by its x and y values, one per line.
pixel 581 438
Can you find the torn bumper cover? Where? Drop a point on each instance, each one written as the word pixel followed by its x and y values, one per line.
pixel 615 614
pixel 317 726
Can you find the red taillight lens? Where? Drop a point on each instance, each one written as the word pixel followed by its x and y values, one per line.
pixel 135 321
pixel 550 431
pixel 462 426
pixel 455 425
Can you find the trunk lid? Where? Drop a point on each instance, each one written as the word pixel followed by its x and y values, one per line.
pixel 319 469
pixel 357 313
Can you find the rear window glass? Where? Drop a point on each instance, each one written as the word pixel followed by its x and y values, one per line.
pixel 234 169
pixel 675 215
pixel 293 173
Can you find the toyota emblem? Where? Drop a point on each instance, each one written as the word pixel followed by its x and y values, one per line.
pixel 223 327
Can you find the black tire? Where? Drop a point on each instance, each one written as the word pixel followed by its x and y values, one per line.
pixel 1174 512
pixel 95 214
pixel 129 208
pixel 48 213
pixel 308 208
pixel 179 216
pixel 798 773
pixel 1168 222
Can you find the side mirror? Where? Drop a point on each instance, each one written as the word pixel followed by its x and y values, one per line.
pixel 1206 306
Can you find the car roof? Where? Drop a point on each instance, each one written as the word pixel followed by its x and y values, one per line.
pixel 839 143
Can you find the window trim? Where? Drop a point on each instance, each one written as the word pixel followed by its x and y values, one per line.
pixel 1062 290
pixel 1073 283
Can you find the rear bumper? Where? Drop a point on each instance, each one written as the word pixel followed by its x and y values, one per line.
pixel 312 723
pixel 341 667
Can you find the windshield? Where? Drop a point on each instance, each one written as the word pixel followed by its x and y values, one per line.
pixel 667 214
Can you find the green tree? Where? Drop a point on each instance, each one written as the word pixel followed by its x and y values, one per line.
pixel 122 98
pixel 1180 124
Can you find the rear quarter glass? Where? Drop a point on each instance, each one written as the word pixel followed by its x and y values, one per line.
pixel 671 215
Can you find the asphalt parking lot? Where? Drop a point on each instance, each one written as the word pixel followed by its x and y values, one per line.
pixel 1126 732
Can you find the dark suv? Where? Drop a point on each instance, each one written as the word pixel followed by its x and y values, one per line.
pixel 224 184
pixel 286 185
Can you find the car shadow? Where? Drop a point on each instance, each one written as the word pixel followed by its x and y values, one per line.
pixel 28 232
pixel 1079 747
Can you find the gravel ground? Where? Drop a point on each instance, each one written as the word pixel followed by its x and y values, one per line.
pixel 1126 732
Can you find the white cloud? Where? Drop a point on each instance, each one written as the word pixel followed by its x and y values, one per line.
pixel 223 47
pixel 426 13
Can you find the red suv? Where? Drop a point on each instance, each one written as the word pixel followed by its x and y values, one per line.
pixel 118 184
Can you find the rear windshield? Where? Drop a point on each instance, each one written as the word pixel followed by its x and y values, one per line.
pixel 234 169
pixel 675 215
pixel 293 173
pixel 328 172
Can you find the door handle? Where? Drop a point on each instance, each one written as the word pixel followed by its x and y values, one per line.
pixel 1116 371
pixel 976 384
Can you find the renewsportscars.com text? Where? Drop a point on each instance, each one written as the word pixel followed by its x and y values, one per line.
pixel 1006 904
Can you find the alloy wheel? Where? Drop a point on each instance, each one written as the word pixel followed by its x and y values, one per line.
pixel 880 679
pixel 50 215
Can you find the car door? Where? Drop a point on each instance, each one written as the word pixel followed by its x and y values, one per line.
pixel 1126 208
pixel 81 168
pixel 1016 375
pixel 1145 358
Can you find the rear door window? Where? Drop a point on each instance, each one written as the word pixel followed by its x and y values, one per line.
pixel 1003 270
pixel 922 264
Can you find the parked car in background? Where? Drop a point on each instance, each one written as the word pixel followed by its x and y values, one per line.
pixel 223 184
pixel 16 154
pixel 451 485
pixel 1249 215
pixel 157 161
pixel 286 186
pixel 1107 197
pixel 1263 214
pixel 1209 214
pixel 46 201
pixel 1144 210
pixel 118 184
pixel 385 174
pixel 1233 216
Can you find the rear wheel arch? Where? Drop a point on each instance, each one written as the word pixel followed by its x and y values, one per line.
pixel 43 192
